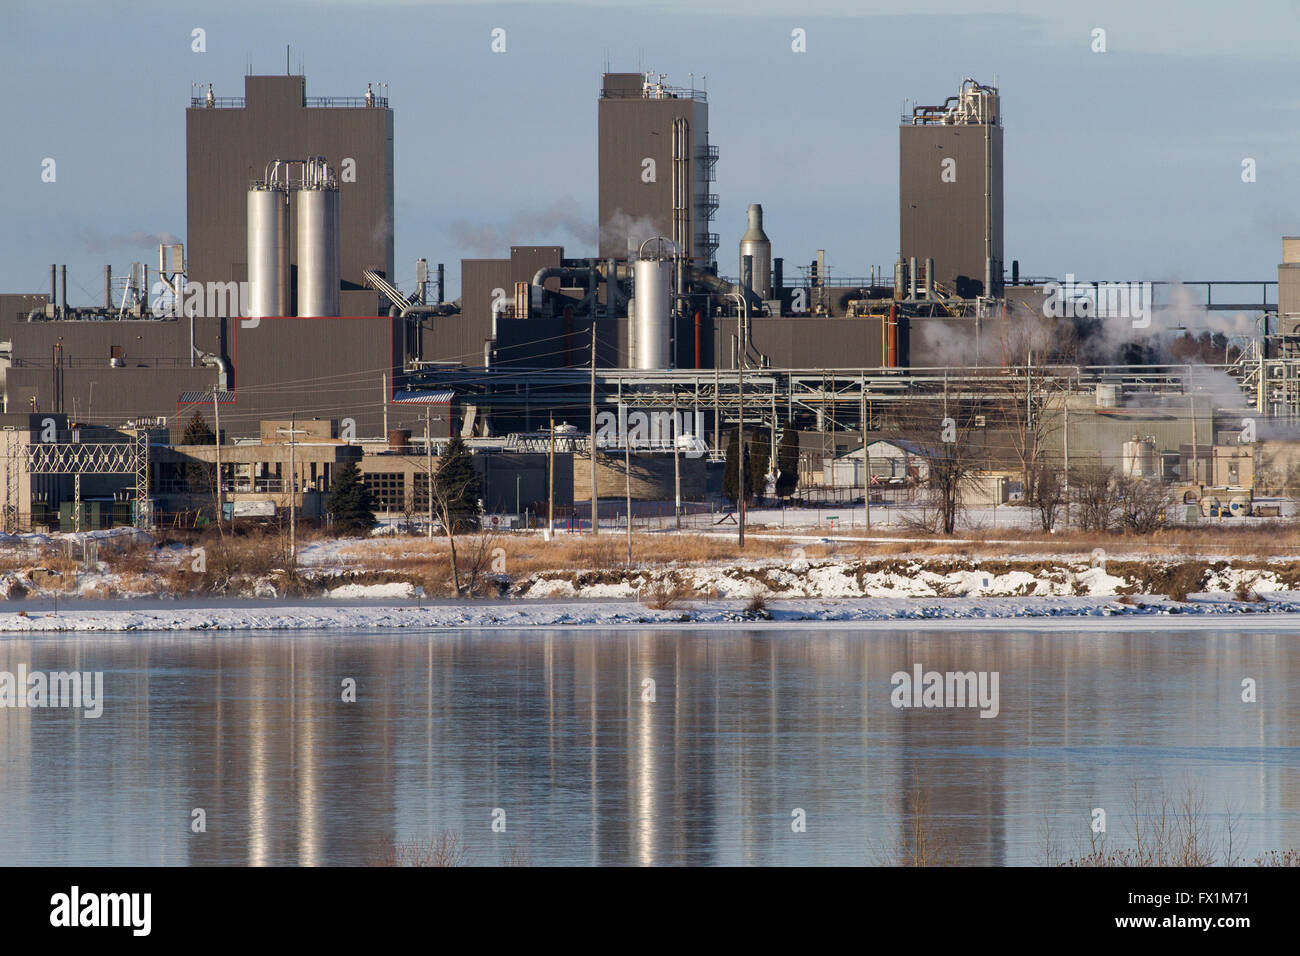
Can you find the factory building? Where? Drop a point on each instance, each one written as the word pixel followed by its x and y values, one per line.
pixel 656 167
pixel 290 202
pixel 232 142
pixel 950 191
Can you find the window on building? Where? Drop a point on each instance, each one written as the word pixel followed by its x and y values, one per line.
pixel 387 490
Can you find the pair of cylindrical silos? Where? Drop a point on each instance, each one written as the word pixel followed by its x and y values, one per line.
pixel 320 268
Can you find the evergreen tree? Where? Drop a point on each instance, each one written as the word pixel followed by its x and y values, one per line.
pixel 730 472
pixel 758 462
pixel 199 475
pixel 456 486
pixel 787 461
pixel 349 501
pixel 197 431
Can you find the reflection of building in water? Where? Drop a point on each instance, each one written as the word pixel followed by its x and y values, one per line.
pixel 957 757
pixel 276 752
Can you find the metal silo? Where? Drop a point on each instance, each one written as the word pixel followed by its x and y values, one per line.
pixel 652 316
pixel 755 243
pixel 268 250
pixel 319 263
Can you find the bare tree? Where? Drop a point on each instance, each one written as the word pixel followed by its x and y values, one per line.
pixel 1142 504
pixel 1045 492
pixel 1033 411
pixel 1092 489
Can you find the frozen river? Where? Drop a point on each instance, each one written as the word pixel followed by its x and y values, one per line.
pixel 642 746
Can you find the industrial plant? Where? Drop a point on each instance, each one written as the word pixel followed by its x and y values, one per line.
pixel 279 322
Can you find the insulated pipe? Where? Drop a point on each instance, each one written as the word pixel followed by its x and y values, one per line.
pixel 892 336
pixel 911 278
pixel 699 339
pixel 929 277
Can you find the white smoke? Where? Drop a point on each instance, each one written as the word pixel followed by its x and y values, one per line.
pixel 563 219
pixel 97 242
pixel 624 231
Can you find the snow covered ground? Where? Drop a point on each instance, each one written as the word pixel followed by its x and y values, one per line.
pixel 1206 610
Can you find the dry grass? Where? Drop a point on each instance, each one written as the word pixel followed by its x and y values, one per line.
pixel 665 594
pixel 923 841
pixel 1163 831
pixel 447 849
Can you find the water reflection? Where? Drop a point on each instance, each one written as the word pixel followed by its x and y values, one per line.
pixel 557 729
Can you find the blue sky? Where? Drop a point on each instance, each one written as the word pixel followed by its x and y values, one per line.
pixel 1119 165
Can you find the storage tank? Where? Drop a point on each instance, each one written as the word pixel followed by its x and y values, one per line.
pixel 1139 458
pixel 755 243
pixel 319 263
pixel 652 325
pixel 268 250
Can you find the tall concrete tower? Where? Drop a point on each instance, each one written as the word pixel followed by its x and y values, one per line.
pixel 230 141
pixel 950 190
pixel 656 166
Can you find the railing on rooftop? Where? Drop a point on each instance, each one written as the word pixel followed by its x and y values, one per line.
pixel 316 102
pixel 661 92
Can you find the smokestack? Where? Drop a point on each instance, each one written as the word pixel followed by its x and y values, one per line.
pixel 442 290
pixel 108 287
pixel 63 290
pixel 778 277
pixel 54 284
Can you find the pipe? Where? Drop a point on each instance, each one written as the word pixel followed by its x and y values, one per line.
pixel 929 277
pixel 892 336
pixel 699 339
pixel 208 360
pixel 911 278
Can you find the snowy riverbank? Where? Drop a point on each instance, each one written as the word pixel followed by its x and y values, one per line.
pixel 1204 610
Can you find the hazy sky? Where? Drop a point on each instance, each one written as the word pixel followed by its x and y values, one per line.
pixel 1119 165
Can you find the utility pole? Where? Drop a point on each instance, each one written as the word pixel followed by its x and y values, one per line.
pixel 740 444
pixel 428 451
pixel 550 484
pixel 1067 458
pixel 216 415
pixel 866 456
pixel 293 488
pixel 293 491
pixel 627 485
pixel 677 470
pixel 595 497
